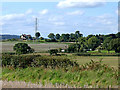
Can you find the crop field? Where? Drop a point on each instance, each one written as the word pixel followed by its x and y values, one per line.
pixel 66 70
pixel 38 47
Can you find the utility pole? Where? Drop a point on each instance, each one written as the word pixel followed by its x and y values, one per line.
pixel 36 27
pixel 36 24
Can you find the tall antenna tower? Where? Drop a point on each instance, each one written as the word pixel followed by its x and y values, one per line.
pixel 36 25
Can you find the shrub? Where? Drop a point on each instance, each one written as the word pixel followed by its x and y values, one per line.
pixel 24 61
pixel 53 51
pixel 60 49
pixel 22 48
pixel 10 53
pixel 54 62
pixel 81 54
pixel 17 60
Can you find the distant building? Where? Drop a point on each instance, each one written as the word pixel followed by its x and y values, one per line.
pixel 26 37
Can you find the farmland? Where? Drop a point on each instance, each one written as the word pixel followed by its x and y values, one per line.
pixel 38 47
pixel 67 77
pixel 44 47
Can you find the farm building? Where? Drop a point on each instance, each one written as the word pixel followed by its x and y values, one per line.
pixel 26 37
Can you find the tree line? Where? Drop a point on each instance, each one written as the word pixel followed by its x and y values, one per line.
pixel 65 37
pixel 91 42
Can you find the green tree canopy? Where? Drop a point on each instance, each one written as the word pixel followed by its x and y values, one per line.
pixel 51 36
pixel 37 34
pixel 106 43
pixel 93 42
pixel 22 48
pixel 78 34
pixel 57 36
pixel 115 45
pixel 118 35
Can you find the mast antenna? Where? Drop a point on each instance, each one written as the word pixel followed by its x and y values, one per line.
pixel 36 25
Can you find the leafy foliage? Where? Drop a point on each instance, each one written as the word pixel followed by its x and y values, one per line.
pixel 53 51
pixel 51 36
pixel 37 34
pixel 115 45
pixel 93 42
pixel 24 61
pixel 22 48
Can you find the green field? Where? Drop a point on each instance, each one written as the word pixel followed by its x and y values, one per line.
pixel 110 60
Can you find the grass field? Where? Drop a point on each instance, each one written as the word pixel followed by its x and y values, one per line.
pixel 38 47
pixel 110 60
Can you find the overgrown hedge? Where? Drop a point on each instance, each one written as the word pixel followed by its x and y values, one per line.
pixel 95 54
pixel 82 54
pixel 24 61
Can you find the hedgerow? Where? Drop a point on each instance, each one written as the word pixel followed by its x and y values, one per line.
pixel 24 61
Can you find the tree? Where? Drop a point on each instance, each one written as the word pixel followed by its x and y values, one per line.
pixel 22 48
pixel 57 36
pixel 41 38
pixel 63 38
pixel 111 35
pixel 115 45
pixel 106 43
pixel 67 36
pixel 118 35
pixel 77 34
pixel 93 42
pixel 51 36
pixel 37 34
pixel 73 48
pixel 89 36
pixel 72 37
pixel 83 42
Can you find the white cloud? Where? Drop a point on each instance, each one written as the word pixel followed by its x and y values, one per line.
pixel 12 16
pixel 55 18
pixel 59 23
pixel 105 19
pixel 80 3
pixel 78 12
pixel 45 11
pixel 29 11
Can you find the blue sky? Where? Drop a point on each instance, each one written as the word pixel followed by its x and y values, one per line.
pixel 59 17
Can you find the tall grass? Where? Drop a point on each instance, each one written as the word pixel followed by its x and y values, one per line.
pixel 92 74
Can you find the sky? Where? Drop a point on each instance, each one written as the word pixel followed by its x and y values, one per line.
pixel 59 17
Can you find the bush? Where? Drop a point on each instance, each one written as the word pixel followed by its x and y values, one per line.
pixel 96 54
pixel 82 54
pixel 22 48
pixel 10 53
pixel 50 40
pixel 17 60
pixel 24 61
pixel 53 62
pixel 53 51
